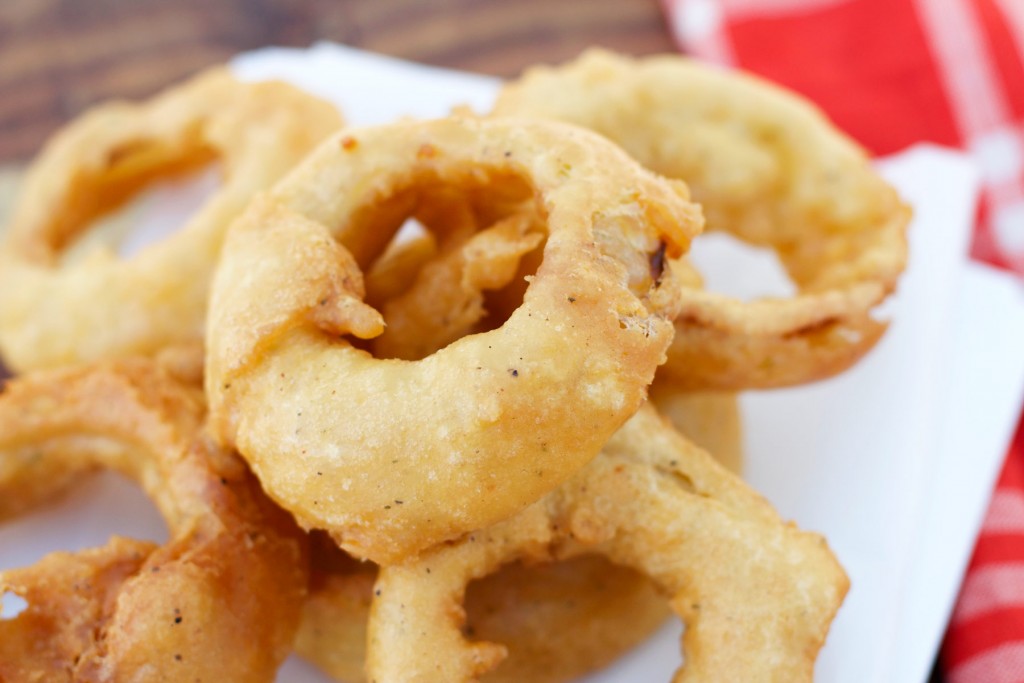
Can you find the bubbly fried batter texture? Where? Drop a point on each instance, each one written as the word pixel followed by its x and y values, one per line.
pixel 559 620
pixel 103 306
pixel 757 595
pixel 766 166
pixel 361 446
pixel 220 601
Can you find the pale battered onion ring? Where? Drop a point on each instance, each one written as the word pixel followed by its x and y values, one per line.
pixel 711 419
pixel 559 620
pixel 440 297
pixel 757 595
pixel 105 307
pixel 220 601
pixel 393 456
pixel 766 166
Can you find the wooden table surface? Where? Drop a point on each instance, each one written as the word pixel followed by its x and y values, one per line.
pixel 59 56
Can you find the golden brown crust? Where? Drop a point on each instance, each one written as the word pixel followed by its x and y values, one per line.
pixel 219 601
pixel 494 420
pixel 104 307
pixel 559 620
pixel 757 595
pixel 766 166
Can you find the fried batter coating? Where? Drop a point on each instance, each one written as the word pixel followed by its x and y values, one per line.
pixel 103 306
pixel 766 166
pixel 756 594
pixel 392 456
pixel 220 601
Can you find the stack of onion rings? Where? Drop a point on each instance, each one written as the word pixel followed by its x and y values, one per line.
pixel 558 620
pixel 105 307
pixel 465 408
pixel 767 167
pixel 220 601
pixel 525 405
pixel 757 595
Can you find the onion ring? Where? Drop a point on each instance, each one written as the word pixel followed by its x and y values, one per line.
pixel 105 307
pixel 524 405
pixel 442 298
pixel 559 620
pixel 757 595
pixel 768 167
pixel 711 419
pixel 220 601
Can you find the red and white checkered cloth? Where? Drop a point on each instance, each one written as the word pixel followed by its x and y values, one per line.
pixel 892 73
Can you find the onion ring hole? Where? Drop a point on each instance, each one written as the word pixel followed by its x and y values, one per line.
pixel 148 215
pixel 553 371
pixel 97 506
pixel 606 609
pixel 458 262
pixel 119 222
pixel 98 208
pixel 743 271
pixel 11 605
pixel 86 516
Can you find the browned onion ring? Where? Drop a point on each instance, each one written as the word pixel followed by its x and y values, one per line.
pixel 392 456
pixel 106 307
pixel 220 601
pixel 768 167
pixel 757 595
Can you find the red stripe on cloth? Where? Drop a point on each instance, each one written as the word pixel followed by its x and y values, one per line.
pixel 989 589
pixel 1003 663
pixel 1013 471
pixel 1007 51
pixel 874 79
pixel 970 638
pixel 984 246
pixel 1006 513
pixel 980 634
pixel 997 547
